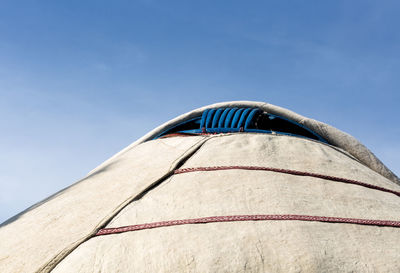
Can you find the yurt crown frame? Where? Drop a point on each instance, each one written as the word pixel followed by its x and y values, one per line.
pixel 233 120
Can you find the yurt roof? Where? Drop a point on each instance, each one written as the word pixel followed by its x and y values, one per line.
pixel 272 186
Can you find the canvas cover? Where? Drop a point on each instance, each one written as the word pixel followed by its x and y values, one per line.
pixel 178 178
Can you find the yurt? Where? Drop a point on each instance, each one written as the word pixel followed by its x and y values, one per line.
pixel 231 187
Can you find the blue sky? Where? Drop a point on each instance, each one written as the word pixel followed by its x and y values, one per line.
pixel 80 80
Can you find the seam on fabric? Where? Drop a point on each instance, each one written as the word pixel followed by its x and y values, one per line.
pixel 288 171
pixel 50 265
pixel 259 217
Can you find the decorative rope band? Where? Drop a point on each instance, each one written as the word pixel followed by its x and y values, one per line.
pixel 287 171
pixel 262 217
pixel 187 135
pixel 178 135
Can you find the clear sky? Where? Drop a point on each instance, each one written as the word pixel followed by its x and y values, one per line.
pixel 80 80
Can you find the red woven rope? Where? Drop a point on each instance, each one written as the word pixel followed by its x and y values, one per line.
pixel 262 217
pixel 187 134
pixel 178 134
pixel 287 171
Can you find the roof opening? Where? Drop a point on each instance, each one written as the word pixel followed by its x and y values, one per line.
pixel 250 120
